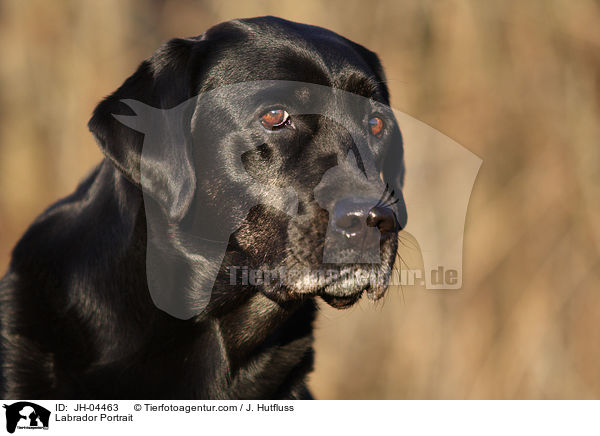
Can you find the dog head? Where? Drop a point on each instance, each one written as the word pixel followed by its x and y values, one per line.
pixel 270 161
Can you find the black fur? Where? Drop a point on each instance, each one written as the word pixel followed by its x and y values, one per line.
pixel 77 320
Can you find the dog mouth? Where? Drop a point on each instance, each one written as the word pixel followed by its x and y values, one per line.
pixel 350 273
pixel 353 282
pixel 341 286
pixel 334 266
pixel 350 297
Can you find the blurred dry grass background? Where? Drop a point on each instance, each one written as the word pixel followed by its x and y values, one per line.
pixel 517 83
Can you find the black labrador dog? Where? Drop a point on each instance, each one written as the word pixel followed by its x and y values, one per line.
pixel 114 292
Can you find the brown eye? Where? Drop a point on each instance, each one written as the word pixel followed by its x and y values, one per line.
pixel 274 118
pixel 376 126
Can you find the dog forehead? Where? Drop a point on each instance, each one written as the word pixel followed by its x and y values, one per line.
pixel 271 30
pixel 269 48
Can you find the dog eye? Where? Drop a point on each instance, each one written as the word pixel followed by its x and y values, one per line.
pixel 376 126
pixel 274 118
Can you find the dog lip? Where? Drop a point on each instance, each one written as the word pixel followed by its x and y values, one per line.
pixel 327 290
pixel 326 286
pixel 373 292
pixel 341 302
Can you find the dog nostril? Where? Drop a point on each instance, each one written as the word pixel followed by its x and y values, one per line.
pixel 383 218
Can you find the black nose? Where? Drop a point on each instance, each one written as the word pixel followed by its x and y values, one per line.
pixel 383 218
pixel 352 216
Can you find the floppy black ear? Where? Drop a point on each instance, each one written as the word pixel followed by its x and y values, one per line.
pixel 163 81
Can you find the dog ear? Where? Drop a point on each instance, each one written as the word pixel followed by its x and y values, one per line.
pixel 163 81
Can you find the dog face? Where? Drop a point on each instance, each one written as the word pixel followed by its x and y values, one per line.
pixel 271 161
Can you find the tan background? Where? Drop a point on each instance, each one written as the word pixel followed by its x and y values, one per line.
pixel 517 83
